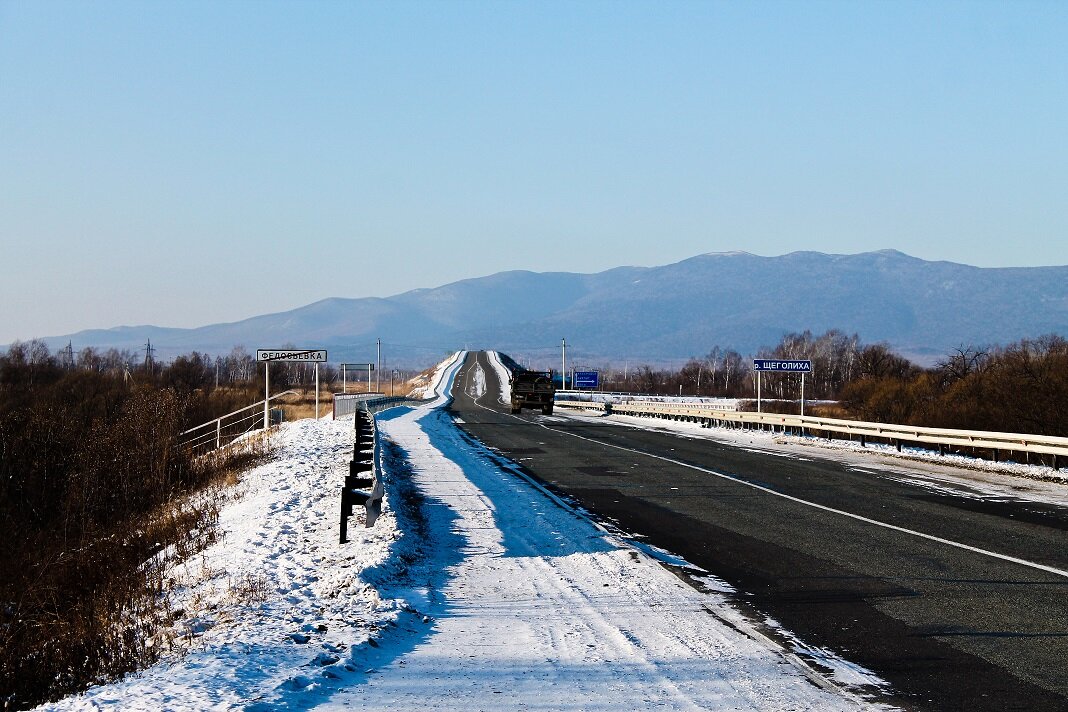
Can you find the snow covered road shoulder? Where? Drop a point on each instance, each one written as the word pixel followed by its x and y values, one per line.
pixel 475 590
pixel 535 607
pixel 503 375
pixel 276 609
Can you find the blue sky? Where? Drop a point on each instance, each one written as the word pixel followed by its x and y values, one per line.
pixel 189 163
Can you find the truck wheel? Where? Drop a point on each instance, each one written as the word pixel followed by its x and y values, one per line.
pixel 515 411
pixel 546 410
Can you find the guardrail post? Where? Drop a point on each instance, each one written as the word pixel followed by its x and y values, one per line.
pixel 997 455
pixel 346 510
pixel 863 441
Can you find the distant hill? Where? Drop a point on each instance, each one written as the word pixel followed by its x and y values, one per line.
pixel 655 314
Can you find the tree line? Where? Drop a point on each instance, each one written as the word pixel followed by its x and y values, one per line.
pixel 1021 387
pixel 93 488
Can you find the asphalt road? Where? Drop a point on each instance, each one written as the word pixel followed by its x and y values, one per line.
pixel 948 627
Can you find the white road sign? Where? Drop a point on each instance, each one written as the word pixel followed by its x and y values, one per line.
pixel 292 355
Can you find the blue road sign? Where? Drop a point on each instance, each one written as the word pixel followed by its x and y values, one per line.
pixel 769 364
pixel 586 379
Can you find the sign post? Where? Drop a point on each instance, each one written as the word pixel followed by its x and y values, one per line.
pixel 801 366
pixel 356 367
pixel 316 356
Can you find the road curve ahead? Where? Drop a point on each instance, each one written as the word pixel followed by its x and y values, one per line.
pixel 959 603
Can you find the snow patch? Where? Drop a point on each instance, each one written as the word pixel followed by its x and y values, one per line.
pixel 503 375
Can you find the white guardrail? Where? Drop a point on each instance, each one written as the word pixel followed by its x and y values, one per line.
pixel 942 437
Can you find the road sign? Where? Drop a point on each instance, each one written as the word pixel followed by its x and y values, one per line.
pixel 359 366
pixel 316 356
pixel 586 379
pixel 768 364
pixel 292 355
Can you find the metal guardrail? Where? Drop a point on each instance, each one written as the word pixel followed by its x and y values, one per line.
pixel 896 434
pixel 598 406
pixel 363 485
pixel 349 403
pixel 223 430
pixel 380 403
pixel 622 397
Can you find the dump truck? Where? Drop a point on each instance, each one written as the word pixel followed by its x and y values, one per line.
pixel 533 389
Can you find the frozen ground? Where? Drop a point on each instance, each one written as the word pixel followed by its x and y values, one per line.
pixel 475 590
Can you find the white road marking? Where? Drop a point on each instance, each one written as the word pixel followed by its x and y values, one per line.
pixel 798 500
pixel 832 510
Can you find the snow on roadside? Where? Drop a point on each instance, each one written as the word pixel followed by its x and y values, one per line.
pixel 429 389
pixel 609 397
pixel 276 606
pixel 503 375
pixel 958 475
pixel 536 607
pixel 474 590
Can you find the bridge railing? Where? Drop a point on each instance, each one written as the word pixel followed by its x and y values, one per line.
pixel 996 442
pixel 349 403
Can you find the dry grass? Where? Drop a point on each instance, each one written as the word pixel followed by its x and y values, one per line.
pixel 248 589
pixel 302 405
pixel 87 592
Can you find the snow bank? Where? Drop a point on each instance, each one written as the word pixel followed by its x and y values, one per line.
pixel 607 397
pixel 475 590
pixel 277 607
pixel 503 375
pixel 432 384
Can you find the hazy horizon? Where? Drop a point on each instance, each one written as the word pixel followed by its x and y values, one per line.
pixel 436 286
pixel 195 163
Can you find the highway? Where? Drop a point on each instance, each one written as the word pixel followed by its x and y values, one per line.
pixel 959 603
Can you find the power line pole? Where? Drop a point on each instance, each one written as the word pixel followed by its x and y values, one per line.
pixel 563 364
pixel 149 350
pixel 378 374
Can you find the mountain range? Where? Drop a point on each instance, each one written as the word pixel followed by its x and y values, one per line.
pixel 654 314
